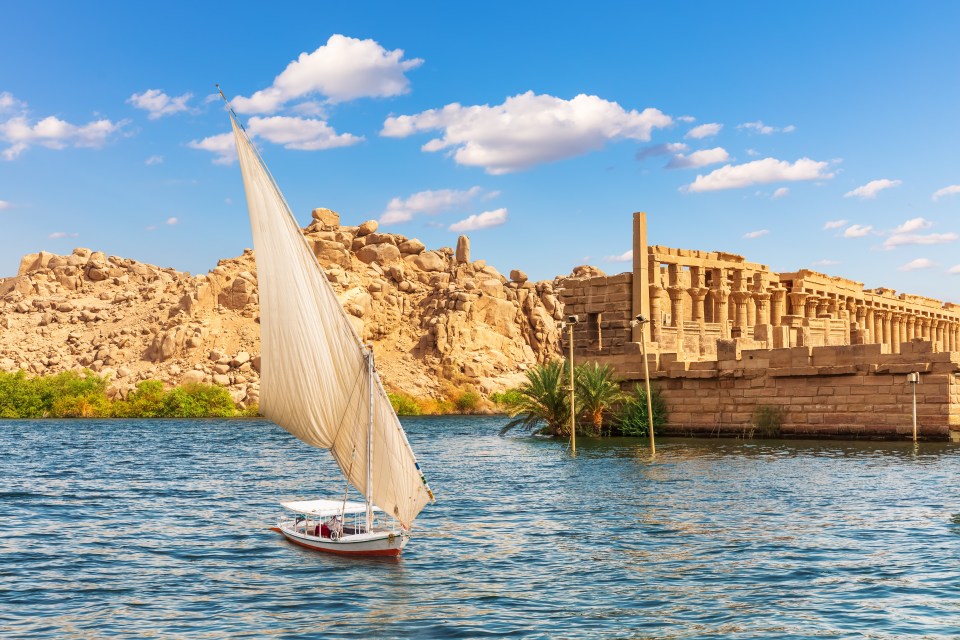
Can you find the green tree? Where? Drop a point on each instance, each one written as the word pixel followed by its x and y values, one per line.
pixel 19 396
pixel 197 400
pixel 404 405
pixel 146 401
pixel 542 399
pixel 632 418
pixel 597 390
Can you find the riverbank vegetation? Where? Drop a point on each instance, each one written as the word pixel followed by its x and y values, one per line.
pixel 74 394
pixel 542 403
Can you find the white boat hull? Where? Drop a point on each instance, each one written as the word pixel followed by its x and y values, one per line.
pixel 375 543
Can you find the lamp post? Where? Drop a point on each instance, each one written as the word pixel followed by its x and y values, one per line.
pixel 640 320
pixel 572 320
pixel 914 380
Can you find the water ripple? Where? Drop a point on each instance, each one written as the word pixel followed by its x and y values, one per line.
pixel 160 528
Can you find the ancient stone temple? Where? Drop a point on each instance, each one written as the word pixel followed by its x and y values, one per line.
pixel 727 336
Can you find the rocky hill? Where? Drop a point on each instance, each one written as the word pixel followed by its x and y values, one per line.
pixel 436 318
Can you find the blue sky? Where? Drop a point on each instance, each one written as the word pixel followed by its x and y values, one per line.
pixel 824 136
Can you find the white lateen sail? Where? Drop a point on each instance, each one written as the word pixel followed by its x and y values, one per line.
pixel 314 379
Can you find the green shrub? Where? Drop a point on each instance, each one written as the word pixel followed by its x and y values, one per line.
pixel 196 400
pixel 632 418
pixel 146 401
pixel 505 399
pixel 467 402
pixel 767 420
pixel 19 396
pixel 404 405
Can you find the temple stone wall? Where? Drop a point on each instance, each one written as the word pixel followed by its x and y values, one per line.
pixel 727 335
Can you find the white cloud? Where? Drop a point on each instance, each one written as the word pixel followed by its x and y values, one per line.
pixel 756 234
pixel 759 172
pixel 834 224
pixel 919 263
pixel 872 188
pixel 302 134
pixel 221 144
pixel 826 263
pixel 342 69
pixel 954 270
pixel 661 150
pixel 765 130
pixel 901 239
pixel 857 231
pixel 704 131
pixel 152 160
pixel 626 256
pixel 913 224
pixel 5 205
pixel 698 159
pixel 753 153
pixel 53 133
pixel 527 129
pixel 173 220
pixel 428 202
pixel 9 103
pixel 782 192
pixel 56 235
pixel 946 191
pixel 687 119
pixel 158 104
pixel 299 133
pixel 481 221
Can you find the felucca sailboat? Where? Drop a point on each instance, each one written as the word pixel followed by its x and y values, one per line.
pixel 318 381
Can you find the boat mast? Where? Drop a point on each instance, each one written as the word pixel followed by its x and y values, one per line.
pixel 369 496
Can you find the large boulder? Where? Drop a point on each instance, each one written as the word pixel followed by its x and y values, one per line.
pixel 430 261
pixel 463 249
pixel 368 227
pixel 379 253
pixel 326 217
pixel 411 246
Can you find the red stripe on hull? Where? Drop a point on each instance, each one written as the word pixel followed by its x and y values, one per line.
pixel 377 552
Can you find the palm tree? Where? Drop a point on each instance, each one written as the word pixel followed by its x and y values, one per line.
pixel 597 389
pixel 542 399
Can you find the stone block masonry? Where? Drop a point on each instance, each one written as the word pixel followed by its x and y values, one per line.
pixel 727 337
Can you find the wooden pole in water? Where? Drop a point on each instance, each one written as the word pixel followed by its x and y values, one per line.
pixel 914 380
pixel 639 322
pixel 572 320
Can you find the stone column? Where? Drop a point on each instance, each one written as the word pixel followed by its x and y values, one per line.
pixel 872 326
pixel 676 312
pixel 863 338
pixel 722 296
pixel 751 311
pixel 697 294
pixel 903 327
pixel 895 332
pixel 777 296
pixel 740 300
pixel 656 312
pixel 833 308
pixel 798 302
pixel 811 310
pixel 925 328
pixel 911 322
pixel 823 307
pixel 763 307
pixel 954 336
pixel 938 329
pixel 887 337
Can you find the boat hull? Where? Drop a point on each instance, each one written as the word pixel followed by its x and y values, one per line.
pixel 383 543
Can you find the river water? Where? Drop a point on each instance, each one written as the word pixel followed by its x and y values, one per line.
pixel 159 529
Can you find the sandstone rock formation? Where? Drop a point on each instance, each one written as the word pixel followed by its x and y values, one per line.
pixel 433 316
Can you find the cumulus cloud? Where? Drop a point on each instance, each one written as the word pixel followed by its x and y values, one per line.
pixel 872 188
pixel 302 134
pixel 913 224
pixel 857 231
pixel 173 220
pixel 50 132
pixel 698 159
pixel 919 263
pixel 626 256
pixel 221 144
pixel 10 103
pixel 759 172
pixel 764 130
pixel 342 69
pixel 5 205
pixel 56 235
pixel 946 191
pixel 428 202
pixel 481 221
pixel 954 270
pixel 661 150
pixel 158 104
pixel 756 234
pixel 782 192
pixel 901 239
pixel 704 131
pixel 527 129
pixel 834 224
pixel 152 160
